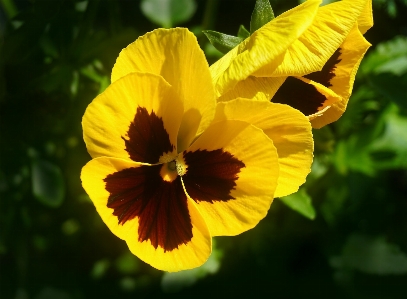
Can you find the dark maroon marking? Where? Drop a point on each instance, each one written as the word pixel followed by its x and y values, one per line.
pixel 211 175
pixel 160 205
pixel 325 75
pixel 303 96
pixel 148 139
pixel 299 95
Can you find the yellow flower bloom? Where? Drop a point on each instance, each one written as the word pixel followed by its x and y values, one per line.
pixel 167 173
pixel 306 58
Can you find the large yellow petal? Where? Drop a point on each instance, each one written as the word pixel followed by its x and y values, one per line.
pixel 316 45
pixel 254 88
pixel 352 51
pixel 175 55
pixel 265 46
pixel 107 119
pixel 290 131
pixel 365 20
pixel 254 184
pixel 186 256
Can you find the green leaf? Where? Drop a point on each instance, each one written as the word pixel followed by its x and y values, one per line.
pixel 300 202
pixel 372 255
pixel 334 200
pixel 221 41
pixel 353 154
pixel 391 86
pixel 387 57
pixel 262 14
pixel 167 13
pixel 48 185
pixel 104 83
pixel 243 32
pixel 389 151
pixel 397 66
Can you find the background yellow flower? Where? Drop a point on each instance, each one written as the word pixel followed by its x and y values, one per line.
pixel 311 69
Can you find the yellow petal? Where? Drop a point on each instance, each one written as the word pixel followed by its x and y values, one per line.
pixel 316 45
pixel 192 254
pixel 175 55
pixel 265 46
pixel 290 131
pixel 186 256
pixel 365 20
pixel 352 51
pixel 254 88
pixel 239 206
pixel 107 119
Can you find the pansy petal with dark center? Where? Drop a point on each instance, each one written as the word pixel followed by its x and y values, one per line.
pixel 231 172
pixel 211 175
pixel 352 51
pixel 152 213
pixel 289 130
pixel 325 75
pixel 305 95
pixel 299 95
pixel 161 206
pixel 137 116
pixel 147 138
pixel 175 55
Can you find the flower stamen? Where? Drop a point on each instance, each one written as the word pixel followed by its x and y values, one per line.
pixel 169 171
pixel 181 165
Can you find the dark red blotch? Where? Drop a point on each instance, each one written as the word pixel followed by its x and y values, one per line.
pixel 147 138
pixel 211 175
pixel 299 95
pixel 160 205
pixel 303 96
pixel 328 71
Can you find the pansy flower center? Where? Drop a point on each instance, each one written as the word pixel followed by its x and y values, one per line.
pixel 172 166
pixel 169 171
pixel 157 193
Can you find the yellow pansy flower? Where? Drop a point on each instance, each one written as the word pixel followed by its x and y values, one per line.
pixel 170 169
pixel 307 58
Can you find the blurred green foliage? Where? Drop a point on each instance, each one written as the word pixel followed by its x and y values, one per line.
pixel 168 13
pixel 56 56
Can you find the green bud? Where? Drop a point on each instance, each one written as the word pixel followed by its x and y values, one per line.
pixel 243 32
